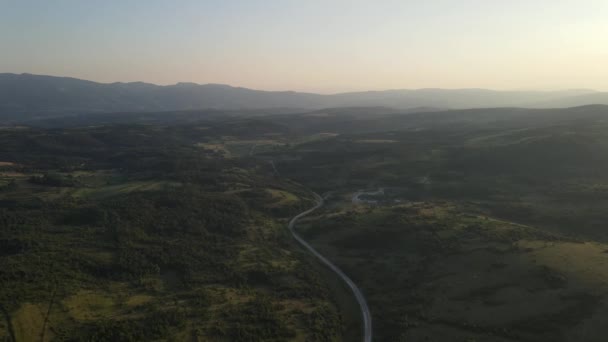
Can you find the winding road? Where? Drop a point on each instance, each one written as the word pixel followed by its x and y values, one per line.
pixel 366 315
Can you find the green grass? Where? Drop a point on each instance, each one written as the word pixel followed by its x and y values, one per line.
pixel 485 243
pixel 87 305
pixel 431 270
pixel 120 189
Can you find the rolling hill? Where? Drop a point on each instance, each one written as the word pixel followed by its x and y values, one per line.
pixel 26 96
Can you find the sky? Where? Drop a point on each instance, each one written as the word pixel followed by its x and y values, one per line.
pixel 324 46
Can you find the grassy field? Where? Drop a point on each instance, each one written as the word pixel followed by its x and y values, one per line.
pixel 435 271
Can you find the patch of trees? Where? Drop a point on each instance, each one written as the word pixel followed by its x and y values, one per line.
pixel 54 179
pixel 155 326
pixel 256 320
pixel 325 325
pixel 10 186
pixel 184 211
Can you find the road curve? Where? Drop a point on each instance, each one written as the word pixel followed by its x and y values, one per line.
pixel 366 315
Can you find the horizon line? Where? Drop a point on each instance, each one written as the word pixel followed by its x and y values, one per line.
pixel 589 90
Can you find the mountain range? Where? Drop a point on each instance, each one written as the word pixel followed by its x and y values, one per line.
pixel 27 96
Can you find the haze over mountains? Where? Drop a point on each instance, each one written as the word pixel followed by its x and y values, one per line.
pixel 25 96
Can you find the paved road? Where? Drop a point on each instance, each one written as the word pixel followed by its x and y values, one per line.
pixel 367 317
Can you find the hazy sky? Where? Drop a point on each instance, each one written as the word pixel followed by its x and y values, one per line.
pixel 313 45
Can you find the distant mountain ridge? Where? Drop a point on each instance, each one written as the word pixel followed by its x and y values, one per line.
pixel 30 96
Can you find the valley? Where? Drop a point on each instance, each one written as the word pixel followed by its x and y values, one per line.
pixel 485 226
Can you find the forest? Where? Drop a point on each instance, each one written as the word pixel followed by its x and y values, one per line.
pixel 135 232
pixel 475 224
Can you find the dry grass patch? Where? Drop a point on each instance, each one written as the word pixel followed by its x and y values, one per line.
pixel 138 300
pixel 87 305
pixel 216 148
pixel 28 322
pixel 280 198
pixel 583 264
